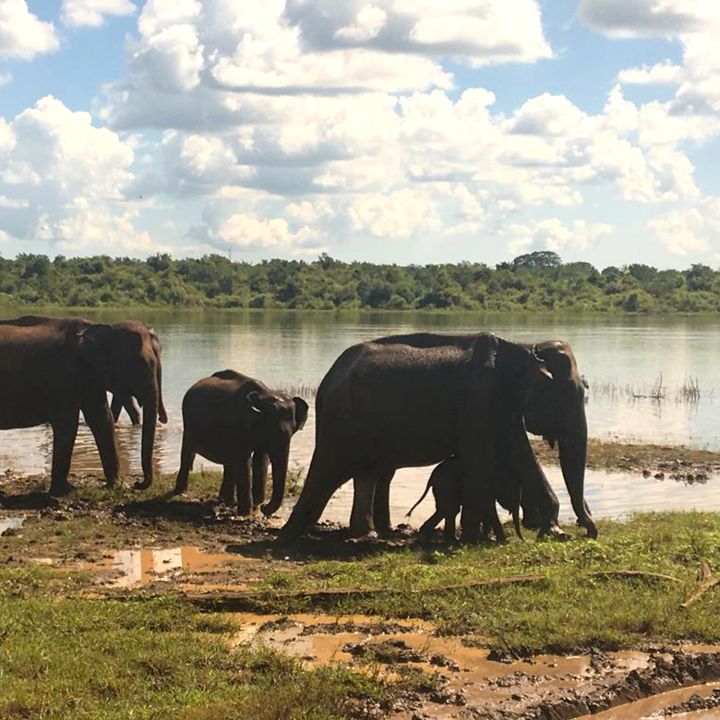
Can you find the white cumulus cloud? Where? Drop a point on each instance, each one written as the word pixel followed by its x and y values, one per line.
pixel 22 34
pixel 91 13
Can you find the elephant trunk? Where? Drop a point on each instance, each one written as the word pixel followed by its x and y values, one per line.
pixel 573 454
pixel 162 413
pixel 150 400
pixel 279 477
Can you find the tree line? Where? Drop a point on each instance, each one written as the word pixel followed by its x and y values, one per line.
pixel 537 282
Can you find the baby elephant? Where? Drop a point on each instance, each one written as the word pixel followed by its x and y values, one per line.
pixel 229 417
pixel 446 483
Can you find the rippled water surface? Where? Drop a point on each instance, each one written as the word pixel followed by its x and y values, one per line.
pixel 622 357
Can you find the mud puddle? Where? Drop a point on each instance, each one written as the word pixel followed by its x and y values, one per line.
pixel 677 704
pixel 451 677
pixel 188 568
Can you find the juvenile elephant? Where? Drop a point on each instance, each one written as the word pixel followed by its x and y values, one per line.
pixel 446 483
pixel 121 356
pixel 229 417
pixel 414 400
pixel 127 403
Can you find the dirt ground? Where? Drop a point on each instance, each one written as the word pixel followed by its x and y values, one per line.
pixel 131 545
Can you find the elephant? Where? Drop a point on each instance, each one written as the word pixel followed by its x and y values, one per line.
pixel 127 403
pixel 120 357
pixel 555 410
pixel 446 483
pixel 229 417
pixel 415 400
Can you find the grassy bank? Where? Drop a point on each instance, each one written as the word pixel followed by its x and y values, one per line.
pixel 62 656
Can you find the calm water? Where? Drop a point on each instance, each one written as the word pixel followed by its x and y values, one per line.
pixel 620 356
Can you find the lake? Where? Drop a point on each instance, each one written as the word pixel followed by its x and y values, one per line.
pixel 621 356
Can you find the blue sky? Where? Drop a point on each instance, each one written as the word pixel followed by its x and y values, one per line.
pixel 386 130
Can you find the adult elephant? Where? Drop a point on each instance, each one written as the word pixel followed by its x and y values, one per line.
pixel 414 400
pixel 230 418
pixel 120 403
pixel 120 358
pixel 554 409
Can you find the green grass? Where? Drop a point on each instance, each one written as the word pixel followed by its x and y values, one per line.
pixel 570 609
pixel 62 655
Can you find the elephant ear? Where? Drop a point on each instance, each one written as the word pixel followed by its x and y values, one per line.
pixel 95 343
pixel 558 359
pixel 301 412
pixel 485 351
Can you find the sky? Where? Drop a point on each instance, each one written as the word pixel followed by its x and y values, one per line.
pixel 405 131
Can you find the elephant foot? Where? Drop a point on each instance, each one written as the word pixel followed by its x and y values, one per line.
pixel 370 536
pixel 589 525
pixel 60 489
pixel 553 533
pixel 142 484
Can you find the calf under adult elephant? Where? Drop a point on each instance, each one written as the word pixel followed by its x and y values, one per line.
pixel 53 368
pixel 415 400
pixel 229 418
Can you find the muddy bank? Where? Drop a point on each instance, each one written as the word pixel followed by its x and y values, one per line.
pixel 676 462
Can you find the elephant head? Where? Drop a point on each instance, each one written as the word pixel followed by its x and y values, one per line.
pixel 556 410
pixel 273 419
pixel 125 360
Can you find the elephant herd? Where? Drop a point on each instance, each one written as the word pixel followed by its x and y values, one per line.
pixel 464 401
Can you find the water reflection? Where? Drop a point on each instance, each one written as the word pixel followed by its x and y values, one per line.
pixel 142 566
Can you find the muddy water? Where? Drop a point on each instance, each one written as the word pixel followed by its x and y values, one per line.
pixel 652 708
pixel 10 523
pixel 617 354
pixel 132 568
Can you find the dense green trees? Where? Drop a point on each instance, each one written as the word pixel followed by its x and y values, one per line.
pixel 536 282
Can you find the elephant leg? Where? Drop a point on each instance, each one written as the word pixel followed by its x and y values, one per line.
pixel 259 477
pixel 538 498
pixel 361 518
pixel 132 410
pixel 116 407
pixel 226 496
pixel 187 457
pixel 450 537
pixel 496 526
pixel 64 433
pixel 429 525
pixel 98 417
pixel 381 502
pixel 324 477
pixel 244 487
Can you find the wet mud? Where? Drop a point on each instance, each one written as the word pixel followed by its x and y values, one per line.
pixel 444 677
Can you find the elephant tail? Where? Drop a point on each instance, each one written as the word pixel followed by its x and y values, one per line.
pixel 422 497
